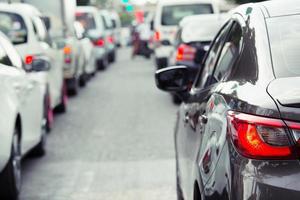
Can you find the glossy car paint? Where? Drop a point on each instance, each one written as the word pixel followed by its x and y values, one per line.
pixel 36 45
pixel 206 160
pixel 98 53
pixel 21 98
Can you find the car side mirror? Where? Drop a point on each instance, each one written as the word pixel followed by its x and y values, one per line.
pixel 172 79
pixel 47 22
pixel 152 25
pixel 40 65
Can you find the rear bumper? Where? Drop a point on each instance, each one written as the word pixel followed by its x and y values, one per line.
pixel 239 178
pixel 163 52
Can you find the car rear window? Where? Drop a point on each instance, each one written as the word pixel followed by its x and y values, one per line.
pixel 13 26
pixel 172 15
pixel 87 20
pixel 285 45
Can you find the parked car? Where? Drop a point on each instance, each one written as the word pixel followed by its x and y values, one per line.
pixel 23 115
pixel 87 47
pixel 167 17
pixel 94 28
pixel 23 24
pixel 237 131
pixel 192 41
pixel 109 35
pixel 63 36
pixel 116 23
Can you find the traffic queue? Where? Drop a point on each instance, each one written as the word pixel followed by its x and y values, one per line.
pixel 48 51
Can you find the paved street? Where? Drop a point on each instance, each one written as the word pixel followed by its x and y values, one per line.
pixel 115 142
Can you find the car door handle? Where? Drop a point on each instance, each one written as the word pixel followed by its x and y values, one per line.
pixel 203 119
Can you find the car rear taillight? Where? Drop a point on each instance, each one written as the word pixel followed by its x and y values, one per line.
pixel 110 39
pixel 29 59
pixel 99 43
pixel 260 137
pixel 157 36
pixel 67 54
pixel 185 53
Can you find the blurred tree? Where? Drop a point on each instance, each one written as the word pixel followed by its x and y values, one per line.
pixel 245 1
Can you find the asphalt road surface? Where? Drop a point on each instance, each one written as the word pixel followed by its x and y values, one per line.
pixel 115 142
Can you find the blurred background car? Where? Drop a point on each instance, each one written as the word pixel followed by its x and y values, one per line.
pixel 94 27
pixel 23 24
pixel 62 33
pixel 109 35
pixel 89 66
pixel 192 41
pixel 116 24
pixel 167 17
pixel 237 131
pixel 23 118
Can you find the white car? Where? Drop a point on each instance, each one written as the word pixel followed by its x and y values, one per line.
pixel 116 27
pixel 23 24
pixel 167 17
pixel 87 47
pixel 22 120
pixel 94 27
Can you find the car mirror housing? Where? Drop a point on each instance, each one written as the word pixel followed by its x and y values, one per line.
pixel 172 79
pixel 40 65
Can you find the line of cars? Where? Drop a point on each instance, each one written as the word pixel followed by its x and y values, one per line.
pixel 237 129
pixel 40 65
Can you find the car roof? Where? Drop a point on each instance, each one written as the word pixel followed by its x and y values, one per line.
pixel 20 8
pixel 278 8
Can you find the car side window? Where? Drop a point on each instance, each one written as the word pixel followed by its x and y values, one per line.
pixel 229 53
pixel 4 59
pixel 212 57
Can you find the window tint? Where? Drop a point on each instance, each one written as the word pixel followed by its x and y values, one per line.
pixel 285 45
pixel 87 20
pixel 229 52
pixel 211 58
pixel 172 15
pixel 13 26
pixel 4 59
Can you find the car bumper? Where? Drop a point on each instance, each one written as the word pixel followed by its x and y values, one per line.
pixel 163 52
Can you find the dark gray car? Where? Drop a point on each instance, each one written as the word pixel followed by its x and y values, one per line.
pixel 237 132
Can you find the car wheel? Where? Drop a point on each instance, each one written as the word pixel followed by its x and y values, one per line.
pixel 40 149
pixel 161 63
pixel 62 107
pixel 176 99
pixel 83 80
pixel 10 179
pixel 102 64
pixel 73 90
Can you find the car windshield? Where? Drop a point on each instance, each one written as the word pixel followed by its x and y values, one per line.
pixel 172 15
pixel 13 26
pixel 87 20
pixel 285 45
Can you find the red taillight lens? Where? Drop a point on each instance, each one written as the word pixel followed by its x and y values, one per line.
pixel 185 53
pixel 99 43
pixel 110 39
pixel 259 137
pixel 29 59
pixel 157 36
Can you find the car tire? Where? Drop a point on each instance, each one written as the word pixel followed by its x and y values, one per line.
pixel 176 100
pixel 161 63
pixel 102 64
pixel 83 80
pixel 10 178
pixel 62 107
